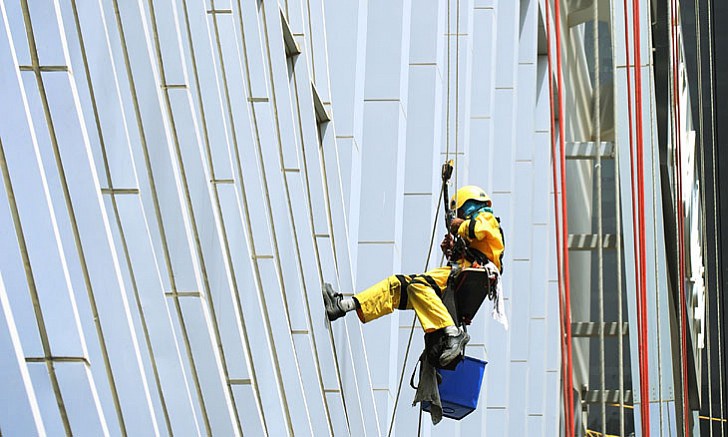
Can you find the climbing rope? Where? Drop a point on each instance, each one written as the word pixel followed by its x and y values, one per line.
pixel 440 196
pixel 414 321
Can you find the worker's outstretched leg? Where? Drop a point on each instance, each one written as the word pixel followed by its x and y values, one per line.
pixel 416 292
pixel 393 292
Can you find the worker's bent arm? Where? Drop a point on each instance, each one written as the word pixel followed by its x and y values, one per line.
pixel 486 229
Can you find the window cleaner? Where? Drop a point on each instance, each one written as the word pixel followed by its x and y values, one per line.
pixel 474 247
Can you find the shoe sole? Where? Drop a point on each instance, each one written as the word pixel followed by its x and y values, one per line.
pixel 328 293
pixel 459 349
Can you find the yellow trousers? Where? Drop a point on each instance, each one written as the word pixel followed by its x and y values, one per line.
pixel 417 292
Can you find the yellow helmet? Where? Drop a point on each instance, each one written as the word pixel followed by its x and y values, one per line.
pixel 469 192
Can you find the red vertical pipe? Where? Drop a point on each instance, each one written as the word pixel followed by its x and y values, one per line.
pixel 567 381
pixel 637 182
pixel 644 361
pixel 564 216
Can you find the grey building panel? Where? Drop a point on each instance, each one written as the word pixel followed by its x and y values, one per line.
pixel 283 345
pixel 342 20
pixel 354 410
pixel 317 38
pixel 499 368
pixel 14 278
pixel 422 131
pixel 251 48
pixel 50 275
pixel 552 422
pixel 47 37
pixel 507 29
pixel 425 39
pixel 153 310
pixel 418 232
pixel 535 424
pixel 542 200
pixel 13 16
pixel 539 285
pixel 504 123
pixel 517 405
pixel 379 170
pixel 520 297
pixel 385 50
pixel 496 421
pixel 214 389
pixel 520 247
pixel 283 114
pixel 406 414
pixel 338 415
pixel 479 171
pixel 309 378
pixel 79 396
pixel 528 32
pixel 527 85
pixel 251 419
pixel 164 26
pixel 97 268
pixel 538 349
pixel 553 334
pixel 49 411
pixel 483 65
pixel 20 413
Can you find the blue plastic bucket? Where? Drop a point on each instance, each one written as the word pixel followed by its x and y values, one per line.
pixel 460 388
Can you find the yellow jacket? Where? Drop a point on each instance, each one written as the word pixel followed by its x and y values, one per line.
pixel 484 234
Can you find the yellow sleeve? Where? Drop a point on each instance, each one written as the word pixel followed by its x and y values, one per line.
pixel 486 229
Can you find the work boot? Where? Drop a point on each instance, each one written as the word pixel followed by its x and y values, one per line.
pixel 454 345
pixel 332 300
